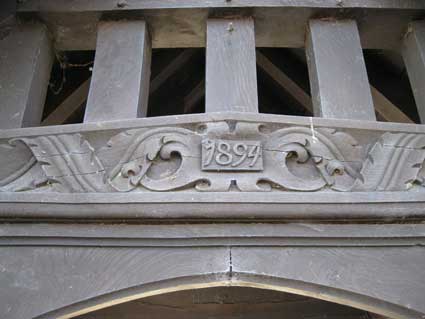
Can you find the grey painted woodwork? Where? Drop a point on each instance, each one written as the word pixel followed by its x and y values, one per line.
pixel 119 87
pixel 47 279
pixel 383 107
pixel 355 276
pixel 311 164
pixel 121 195
pixel 110 5
pixel 212 235
pixel 414 58
pixel 338 78
pixel 25 63
pixel 182 28
pixel 50 274
pixel 231 74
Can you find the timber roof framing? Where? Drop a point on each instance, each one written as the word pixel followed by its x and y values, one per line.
pixel 279 23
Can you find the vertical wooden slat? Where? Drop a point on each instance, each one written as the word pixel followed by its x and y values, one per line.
pixel 231 76
pixel 120 82
pixel 339 82
pixel 414 58
pixel 25 65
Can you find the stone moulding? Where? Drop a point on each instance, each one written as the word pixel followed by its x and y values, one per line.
pixel 221 153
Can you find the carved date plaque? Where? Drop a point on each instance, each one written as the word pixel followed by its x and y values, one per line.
pixel 231 155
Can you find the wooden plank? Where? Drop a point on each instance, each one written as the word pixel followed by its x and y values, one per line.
pixel 387 110
pixel 384 107
pixel 120 82
pixel 414 57
pixel 170 69
pixel 25 64
pixel 178 28
pixel 338 78
pixel 69 105
pixel 231 75
pixel 212 235
pixel 111 5
pixel 285 82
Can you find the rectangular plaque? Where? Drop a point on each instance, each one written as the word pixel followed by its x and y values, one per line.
pixel 231 155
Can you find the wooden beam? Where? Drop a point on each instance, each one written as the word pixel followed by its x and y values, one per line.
pixel 74 101
pixel 185 26
pixel 386 109
pixel 111 5
pixel 338 78
pixel 121 74
pixel 176 64
pixel 231 75
pixel 25 64
pixel 285 82
pixel 414 57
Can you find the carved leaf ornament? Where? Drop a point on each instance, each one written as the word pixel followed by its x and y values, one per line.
pixel 217 157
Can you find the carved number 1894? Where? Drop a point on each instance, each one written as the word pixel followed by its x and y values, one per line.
pixel 231 155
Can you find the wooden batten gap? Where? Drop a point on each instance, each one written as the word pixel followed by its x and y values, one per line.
pixel 339 83
pixel 414 58
pixel 26 59
pixel 120 82
pixel 231 75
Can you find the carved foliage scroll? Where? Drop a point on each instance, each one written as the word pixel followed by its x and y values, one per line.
pixel 220 156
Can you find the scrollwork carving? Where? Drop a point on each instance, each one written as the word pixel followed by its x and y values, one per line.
pixel 215 157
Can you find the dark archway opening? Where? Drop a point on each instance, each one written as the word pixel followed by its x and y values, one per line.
pixel 228 303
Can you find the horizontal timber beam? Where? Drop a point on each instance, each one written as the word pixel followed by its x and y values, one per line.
pixel 127 164
pixel 186 119
pixel 182 24
pixel 391 207
pixel 113 5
